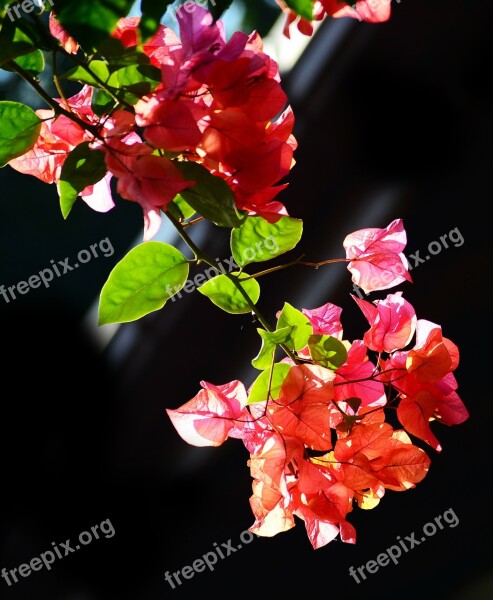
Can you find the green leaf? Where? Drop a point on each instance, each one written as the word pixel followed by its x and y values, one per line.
pixel 180 209
pixel 257 240
pixel 302 328
pixel 270 340
pixel 327 351
pixel 304 8
pixel 152 13
pixel 81 168
pixel 90 21
pixel 33 63
pixel 101 102
pixel 142 282
pixel 136 79
pixel 19 130
pixel 259 392
pixel 16 38
pixel 211 196
pixel 223 293
pixel 96 67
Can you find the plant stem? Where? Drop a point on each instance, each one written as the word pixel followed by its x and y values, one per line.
pixel 188 223
pixel 298 261
pixel 56 80
pixel 55 47
pixel 201 256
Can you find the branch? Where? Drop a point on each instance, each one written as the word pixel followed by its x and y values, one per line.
pixel 200 255
pixel 53 104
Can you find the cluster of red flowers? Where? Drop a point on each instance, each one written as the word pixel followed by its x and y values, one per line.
pixel 217 106
pixel 320 443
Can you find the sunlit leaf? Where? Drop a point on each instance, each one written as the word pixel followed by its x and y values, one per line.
pixel 142 282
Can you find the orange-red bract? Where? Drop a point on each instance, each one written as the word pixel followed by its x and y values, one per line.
pixel 303 408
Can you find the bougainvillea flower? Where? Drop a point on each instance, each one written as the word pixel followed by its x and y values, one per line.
pixel 424 380
pixel 376 258
pixel 271 509
pixel 433 356
pixel 392 321
pixel 325 320
pixel 393 459
pixel 213 415
pixel 98 196
pixel 303 408
pixel 262 203
pixel 171 125
pixel 324 511
pixel 151 181
pixel 417 410
pixel 357 378
pixel 217 105
pixel 57 31
pixel 415 414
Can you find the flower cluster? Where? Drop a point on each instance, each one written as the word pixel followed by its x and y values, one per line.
pixel 219 104
pixel 318 438
pixel 198 124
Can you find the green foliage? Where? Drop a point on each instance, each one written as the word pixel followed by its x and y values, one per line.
pixel 129 83
pixel 302 328
pixel 257 240
pixel 17 38
pixel 142 282
pixel 327 351
pixel 304 8
pixel 82 167
pixel 19 130
pixel 91 21
pixel 225 294
pixel 180 209
pixel 211 196
pixel 268 384
pixel 33 63
pixel 270 340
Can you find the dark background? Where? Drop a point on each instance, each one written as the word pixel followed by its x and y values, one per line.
pixel 393 121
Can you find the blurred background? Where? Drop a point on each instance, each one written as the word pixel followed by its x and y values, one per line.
pixel 393 121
